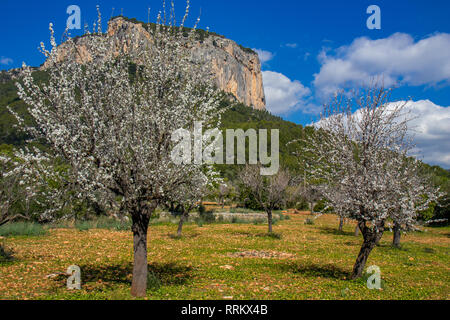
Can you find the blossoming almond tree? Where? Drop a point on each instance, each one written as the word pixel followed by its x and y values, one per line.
pixel 187 197
pixel 114 126
pixel 27 180
pixel 362 158
pixel 402 222
pixel 268 191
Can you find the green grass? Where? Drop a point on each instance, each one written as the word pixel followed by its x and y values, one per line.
pixel 298 262
pixel 22 229
pixel 103 223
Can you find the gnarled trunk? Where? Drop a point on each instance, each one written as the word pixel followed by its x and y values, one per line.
pixel 397 235
pixel 141 219
pixel 270 220
pixel 183 218
pixel 371 238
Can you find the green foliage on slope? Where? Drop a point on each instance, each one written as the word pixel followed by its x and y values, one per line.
pixel 9 97
pixel 238 116
pixel 242 117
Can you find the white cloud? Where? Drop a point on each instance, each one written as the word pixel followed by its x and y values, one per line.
pixel 5 61
pixel 264 56
pixel 285 96
pixel 432 132
pixel 430 128
pixel 397 58
pixel 292 45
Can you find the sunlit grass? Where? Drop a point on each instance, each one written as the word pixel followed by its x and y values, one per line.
pixel 301 262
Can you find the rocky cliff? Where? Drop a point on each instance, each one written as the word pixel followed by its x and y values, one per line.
pixel 235 69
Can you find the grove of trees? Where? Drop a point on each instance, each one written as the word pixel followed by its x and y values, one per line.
pixel 362 159
pixel 103 136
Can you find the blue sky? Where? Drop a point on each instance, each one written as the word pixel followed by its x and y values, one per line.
pixel 309 48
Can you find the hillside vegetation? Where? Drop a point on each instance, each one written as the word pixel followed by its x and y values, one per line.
pixel 238 116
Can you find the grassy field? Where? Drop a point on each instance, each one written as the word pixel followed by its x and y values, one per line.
pixel 228 261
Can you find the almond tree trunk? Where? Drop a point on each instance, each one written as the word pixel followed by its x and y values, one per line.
pixel 371 238
pixel 397 235
pixel 270 220
pixel 341 224
pixel 356 230
pixel 183 218
pixel 141 219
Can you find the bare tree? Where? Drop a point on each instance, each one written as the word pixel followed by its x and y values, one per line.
pixel 268 191
pixel 363 156
pixel 114 126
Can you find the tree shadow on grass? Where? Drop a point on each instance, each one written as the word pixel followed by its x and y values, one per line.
pixel 390 247
pixel 183 236
pixel 171 273
pixel 245 234
pixel 273 235
pixel 328 230
pixel 315 270
pixel 166 273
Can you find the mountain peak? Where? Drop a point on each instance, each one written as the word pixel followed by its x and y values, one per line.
pixel 234 69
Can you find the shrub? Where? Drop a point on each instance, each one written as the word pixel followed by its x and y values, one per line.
pixel 113 224
pixel 201 209
pixel 84 225
pixel 302 205
pixel 259 221
pixel 208 216
pixel 199 222
pixel 103 223
pixel 309 221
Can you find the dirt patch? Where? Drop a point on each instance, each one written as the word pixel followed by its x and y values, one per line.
pixel 262 254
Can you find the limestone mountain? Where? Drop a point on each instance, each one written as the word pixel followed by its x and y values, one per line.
pixel 235 69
